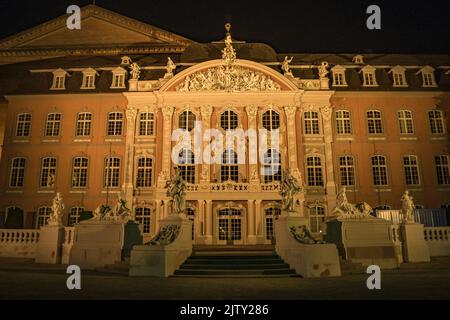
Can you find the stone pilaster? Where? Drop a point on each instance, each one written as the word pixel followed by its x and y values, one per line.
pixel 290 112
pixel 258 220
pixel 206 112
pixel 167 144
pixel 253 172
pixel 129 154
pixel 251 235
pixel 208 222
pixel 328 139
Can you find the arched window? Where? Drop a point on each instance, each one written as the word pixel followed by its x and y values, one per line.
pixel 272 166
pixel 80 172
pixel 146 124
pixel 405 120
pixel 316 218
pixel 115 123
pixel 272 213
pixel 53 124
pixel 17 172
pixel 311 122
pixel 442 164
pixel 271 120
pixel 228 120
pixel 191 216
pixel 74 215
pixel 347 170
pixel 112 172
pixel 43 216
pixel 186 165
pixel 314 171
pixel 48 173
pixel 379 171
pixel 411 170
pixel 343 123
pixel 143 215
pixel 23 126
pixel 186 120
pixel 229 169
pixel 436 118
pixel 374 122
pixel 84 124
pixel 144 172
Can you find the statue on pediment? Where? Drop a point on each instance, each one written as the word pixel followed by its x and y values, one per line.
pixel 286 67
pixel 170 67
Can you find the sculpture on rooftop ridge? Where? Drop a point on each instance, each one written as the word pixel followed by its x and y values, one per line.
pixel 289 188
pixel 170 67
pixel 286 67
pixel 135 71
pixel 176 189
pixel 323 69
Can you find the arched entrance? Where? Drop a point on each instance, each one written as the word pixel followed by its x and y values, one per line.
pixel 229 226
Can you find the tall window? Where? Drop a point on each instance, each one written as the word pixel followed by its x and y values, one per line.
pixel 339 79
pixel 53 124
pixel 43 216
pixel 405 119
pixel 347 170
pixel 228 120
pixel 436 118
pixel 271 120
pixel 411 169
pixel 115 123
pixel 84 124
pixel 399 79
pixel 144 172
pixel 112 172
pixel 74 215
pixel 143 216
pixel 379 171
pixel 118 80
pixel 146 124
pixel 17 172
pixel 59 79
pixel 186 165
pixel 229 169
pixel 311 122
pixel 272 166
pixel 374 122
pixel 191 216
pixel 48 173
pixel 88 79
pixel 343 124
pixel 316 218
pixel 23 125
pixel 369 78
pixel 186 120
pixel 314 171
pixel 80 172
pixel 442 164
pixel 272 214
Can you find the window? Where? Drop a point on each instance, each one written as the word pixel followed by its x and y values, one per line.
pixel 112 172
pixel 411 169
pixel 271 120
pixel 316 218
pixel 23 125
pixel 48 173
pixel 84 123
pixel 59 79
pixel 115 122
pixel 374 122
pixel 311 122
pixel 339 76
pixel 228 120
pixel 442 169
pixel 43 215
pixel 369 78
pixel 405 120
pixel 436 118
pixel 272 214
pixel 379 171
pixel 428 79
pixel 53 124
pixel 144 172
pixel 89 79
pixel 398 76
pixel 143 216
pixel 272 166
pixel 80 172
pixel 74 215
pixel 118 79
pixel 229 169
pixel 343 124
pixel 146 124
pixel 314 171
pixel 347 171
pixel 186 166
pixel 186 120
pixel 17 172
pixel 191 216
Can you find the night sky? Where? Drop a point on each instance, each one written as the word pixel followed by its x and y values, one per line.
pixel 288 26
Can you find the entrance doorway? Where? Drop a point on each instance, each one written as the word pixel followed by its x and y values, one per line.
pixel 230 226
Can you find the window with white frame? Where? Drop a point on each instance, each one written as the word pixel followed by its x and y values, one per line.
pixel 379 170
pixel 405 119
pixel 311 122
pixel 186 120
pixel 88 79
pixel 442 164
pixel 398 76
pixel 112 172
pixel 146 124
pixel 59 79
pixel 23 126
pixel 48 172
pixel 272 166
pixel 369 77
pixel 144 172
pixel 436 119
pixel 229 120
pixel 314 171
pixel 186 165
pixel 43 215
pixel 80 172
pixel 229 169
pixel 74 215
pixel 271 120
pixel 84 124
pixel 411 170
pixel 347 171
pixel 343 122
pixel 374 122
pixel 272 214
pixel 316 218
pixel 338 76
pixel 428 79
pixel 17 172
pixel 143 216
pixel 53 125
pixel 115 123
pixel 118 79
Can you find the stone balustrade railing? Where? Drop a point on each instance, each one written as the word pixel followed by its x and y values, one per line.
pixel 69 235
pixel 231 186
pixel 18 243
pixel 18 236
pixel 438 240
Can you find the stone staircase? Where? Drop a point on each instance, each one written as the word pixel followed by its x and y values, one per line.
pixel 348 267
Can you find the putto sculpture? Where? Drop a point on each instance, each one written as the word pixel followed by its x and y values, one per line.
pixel 57 211
pixel 289 188
pixel 176 189
pixel 407 207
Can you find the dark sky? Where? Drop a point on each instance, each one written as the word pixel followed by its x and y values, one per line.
pixel 288 26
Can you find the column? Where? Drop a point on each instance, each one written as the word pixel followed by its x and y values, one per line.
pixel 328 139
pixel 251 236
pixel 200 229
pixel 206 112
pixel 167 145
pixel 129 154
pixel 253 172
pixel 258 222
pixel 208 222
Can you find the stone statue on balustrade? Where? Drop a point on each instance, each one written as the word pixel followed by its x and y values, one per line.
pixel 176 189
pixel 407 207
pixel 323 69
pixel 135 71
pixel 345 209
pixel 290 187
pixel 119 212
pixel 57 211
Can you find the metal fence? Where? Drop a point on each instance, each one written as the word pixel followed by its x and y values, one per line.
pixel 428 217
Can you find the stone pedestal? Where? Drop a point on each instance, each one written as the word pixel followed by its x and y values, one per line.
pixel 49 248
pixel 415 248
pixel 161 260
pixel 308 260
pixel 99 243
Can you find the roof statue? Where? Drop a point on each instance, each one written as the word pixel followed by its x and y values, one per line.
pixel 286 67
pixel 170 67
pixel 323 69
pixel 228 53
pixel 135 71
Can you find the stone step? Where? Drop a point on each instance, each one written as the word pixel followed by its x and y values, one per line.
pixel 250 272
pixel 232 261
pixel 187 266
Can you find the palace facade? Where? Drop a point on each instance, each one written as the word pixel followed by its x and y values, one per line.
pixel 91 112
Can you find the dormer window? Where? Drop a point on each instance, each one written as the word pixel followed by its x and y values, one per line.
pixel 428 79
pixel 358 59
pixel 59 80
pixel 339 76
pixel 398 76
pixel 89 79
pixel 369 78
pixel 118 79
